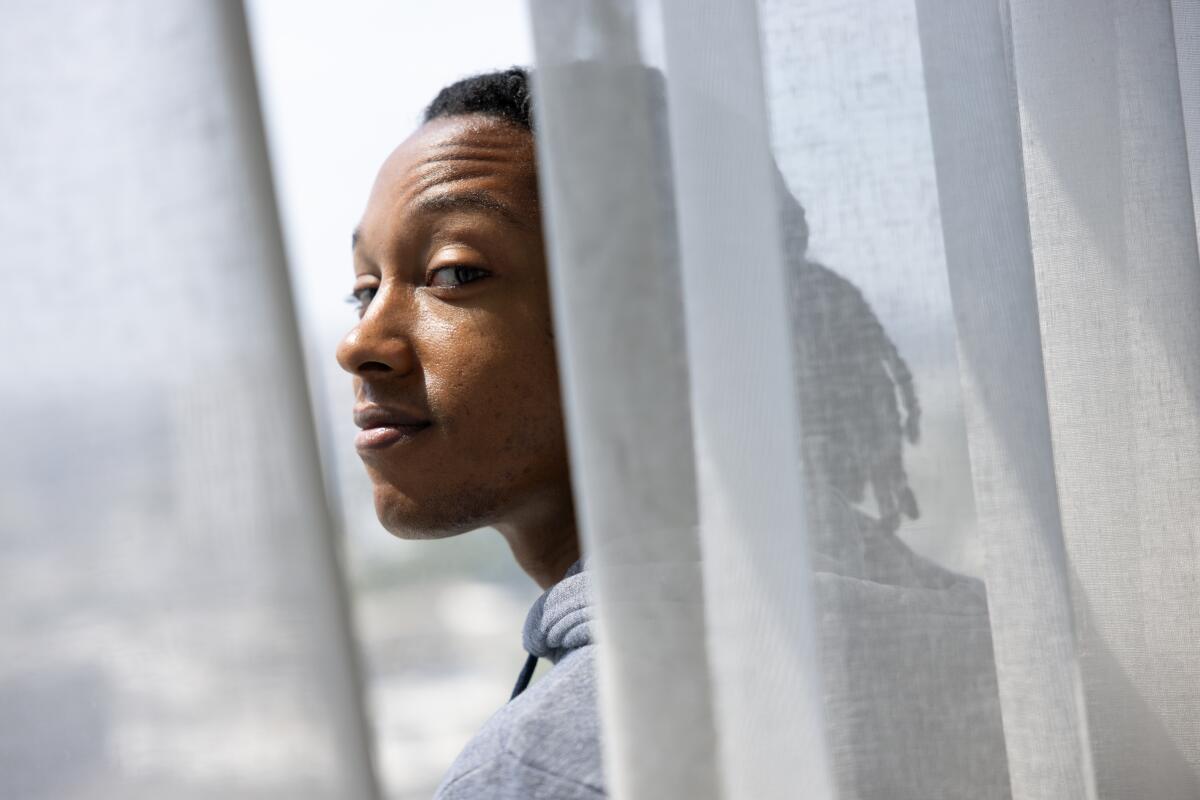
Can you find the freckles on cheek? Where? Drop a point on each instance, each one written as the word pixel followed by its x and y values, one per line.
pixel 446 355
pixel 465 372
pixel 488 369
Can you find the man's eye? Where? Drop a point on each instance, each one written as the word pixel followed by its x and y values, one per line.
pixel 455 276
pixel 361 298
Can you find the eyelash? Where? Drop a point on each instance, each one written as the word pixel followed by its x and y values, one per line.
pixel 356 299
pixel 459 270
pixel 463 274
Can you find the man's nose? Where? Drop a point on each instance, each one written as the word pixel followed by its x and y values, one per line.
pixel 380 345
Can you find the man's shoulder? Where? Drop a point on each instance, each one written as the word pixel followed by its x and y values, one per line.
pixel 543 744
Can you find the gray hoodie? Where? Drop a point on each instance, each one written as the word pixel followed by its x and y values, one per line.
pixel 918 638
pixel 545 744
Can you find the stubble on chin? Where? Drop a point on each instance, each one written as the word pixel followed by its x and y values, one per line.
pixel 438 516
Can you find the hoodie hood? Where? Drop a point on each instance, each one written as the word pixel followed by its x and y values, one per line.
pixel 561 619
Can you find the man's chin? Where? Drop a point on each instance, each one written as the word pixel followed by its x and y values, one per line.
pixel 406 517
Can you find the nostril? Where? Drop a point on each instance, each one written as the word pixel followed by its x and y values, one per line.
pixel 374 366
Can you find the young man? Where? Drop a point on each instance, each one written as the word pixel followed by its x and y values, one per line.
pixel 458 401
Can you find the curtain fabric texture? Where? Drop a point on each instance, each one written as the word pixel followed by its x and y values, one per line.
pixel 878 327
pixel 173 622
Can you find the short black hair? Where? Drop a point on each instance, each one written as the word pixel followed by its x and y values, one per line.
pixel 504 94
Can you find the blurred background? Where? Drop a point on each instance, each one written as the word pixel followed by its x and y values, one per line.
pixel 185 613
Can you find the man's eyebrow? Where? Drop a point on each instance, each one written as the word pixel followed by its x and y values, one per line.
pixel 477 200
pixel 457 201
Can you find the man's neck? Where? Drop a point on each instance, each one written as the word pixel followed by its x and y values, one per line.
pixel 545 545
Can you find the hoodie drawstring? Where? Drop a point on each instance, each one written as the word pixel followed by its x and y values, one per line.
pixel 525 676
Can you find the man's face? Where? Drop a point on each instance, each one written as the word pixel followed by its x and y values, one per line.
pixel 453 357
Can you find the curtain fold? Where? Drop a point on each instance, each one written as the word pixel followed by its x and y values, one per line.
pixel 174 623
pixel 1114 251
pixel 736 289
pixel 619 329
pixel 928 349
pixel 1186 25
pixel 759 602
pixel 981 192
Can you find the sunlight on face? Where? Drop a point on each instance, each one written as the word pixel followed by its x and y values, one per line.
pixel 453 357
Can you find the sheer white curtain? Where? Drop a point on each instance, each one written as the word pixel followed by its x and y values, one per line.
pixel 172 624
pixel 879 325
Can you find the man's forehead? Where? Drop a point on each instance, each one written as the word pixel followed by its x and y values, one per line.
pixel 455 163
pixel 468 148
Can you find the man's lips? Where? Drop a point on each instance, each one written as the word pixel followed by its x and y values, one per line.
pixel 383 426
